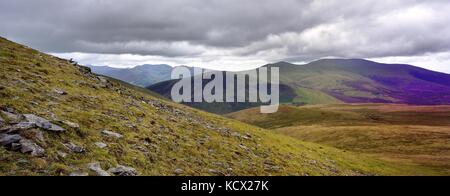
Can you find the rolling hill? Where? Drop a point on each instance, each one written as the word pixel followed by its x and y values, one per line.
pixel 143 75
pixel 57 118
pixel 332 81
pixel 287 95
pixel 417 135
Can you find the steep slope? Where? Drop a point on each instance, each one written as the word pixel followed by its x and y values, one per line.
pixel 143 75
pixel 59 119
pixel 399 133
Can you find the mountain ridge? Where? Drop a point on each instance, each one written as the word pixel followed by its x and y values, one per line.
pixel 142 75
pixel 330 81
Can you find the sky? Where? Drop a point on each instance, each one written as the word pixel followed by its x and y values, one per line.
pixel 232 34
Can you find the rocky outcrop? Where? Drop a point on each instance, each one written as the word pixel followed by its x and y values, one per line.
pixel 43 123
pixel 16 142
pixel 96 167
pixel 28 146
pixel 121 170
pixel 7 140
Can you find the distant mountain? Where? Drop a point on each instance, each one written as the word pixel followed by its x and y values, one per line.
pixel 287 95
pixel 331 81
pixel 362 81
pixel 143 75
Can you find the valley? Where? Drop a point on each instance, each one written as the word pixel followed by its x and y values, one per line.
pixel 415 135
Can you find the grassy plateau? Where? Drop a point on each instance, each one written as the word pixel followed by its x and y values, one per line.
pixel 418 136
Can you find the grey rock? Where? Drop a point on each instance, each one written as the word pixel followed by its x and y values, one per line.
pixel 10 110
pixel 2 122
pixel 178 171
pixel 61 154
pixel 16 146
pixel 30 147
pixel 74 148
pixel 40 136
pixel 101 145
pixel 6 139
pixel 78 173
pixel 112 134
pixel 13 129
pixel 72 125
pixel 21 126
pixel 43 123
pixel 60 92
pixel 12 118
pixel 121 170
pixel 102 79
pixel 103 82
pixel 96 167
pixel 215 172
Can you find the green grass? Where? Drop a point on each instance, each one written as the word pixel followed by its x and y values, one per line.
pixel 310 96
pixel 414 135
pixel 163 136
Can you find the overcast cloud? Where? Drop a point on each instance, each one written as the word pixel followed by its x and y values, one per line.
pixel 232 34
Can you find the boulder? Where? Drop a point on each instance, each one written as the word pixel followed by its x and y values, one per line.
pixel 96 167
pixel 78 173
pixel 112 134
pixel 72 125
pixel 74 148
pixel 20 126
pixel 27 146
pixel 121 170
pixel 101 145
pixel 178 171
pixel 2 122
pixel 7 140
pixel 43 123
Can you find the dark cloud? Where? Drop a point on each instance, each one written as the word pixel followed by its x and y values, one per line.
pixel 299 30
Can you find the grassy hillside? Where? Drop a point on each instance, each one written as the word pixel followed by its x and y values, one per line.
pixel 362 81
pixel 416 135
pixel 146 133
pixel 333 81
